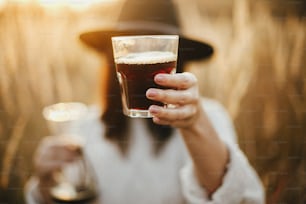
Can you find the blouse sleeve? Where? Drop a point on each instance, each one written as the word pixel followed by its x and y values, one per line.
pixel 240 183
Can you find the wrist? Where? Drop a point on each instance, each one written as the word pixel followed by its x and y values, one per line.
pixel 199 127
pixel 208 152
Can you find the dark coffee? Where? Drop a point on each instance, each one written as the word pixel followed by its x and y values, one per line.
pixel 136 75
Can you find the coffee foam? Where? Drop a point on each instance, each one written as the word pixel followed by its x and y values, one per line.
pixel 147 58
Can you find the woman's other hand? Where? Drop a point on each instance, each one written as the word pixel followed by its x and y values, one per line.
pixel 52 154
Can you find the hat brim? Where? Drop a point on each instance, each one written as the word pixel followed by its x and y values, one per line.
pixel 189 49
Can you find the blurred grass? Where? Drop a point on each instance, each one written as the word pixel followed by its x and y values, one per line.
pixel 259 74
pixel 41 62
pixel 271 118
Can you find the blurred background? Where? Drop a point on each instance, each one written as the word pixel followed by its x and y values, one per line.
pixel 258 72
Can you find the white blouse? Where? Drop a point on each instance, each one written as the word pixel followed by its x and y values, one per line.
pixel 141 177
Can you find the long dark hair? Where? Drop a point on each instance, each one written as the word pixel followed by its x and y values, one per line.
pixel 116 123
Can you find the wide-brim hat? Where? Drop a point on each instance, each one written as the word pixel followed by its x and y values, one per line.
pixel 148 17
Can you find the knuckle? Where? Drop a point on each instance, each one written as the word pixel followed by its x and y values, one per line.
pixel 192 111
pixel 181 115
pixel 193 79
pixel 194 97
pixel 184 81
pixel 164 95
pixel 185 97
pixel 187 79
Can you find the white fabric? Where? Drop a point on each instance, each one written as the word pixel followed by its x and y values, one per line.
pixel 142 177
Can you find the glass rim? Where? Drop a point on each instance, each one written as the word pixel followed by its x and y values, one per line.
pixel 64 111
pixel 173 37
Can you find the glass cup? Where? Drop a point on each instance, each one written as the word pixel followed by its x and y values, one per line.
pixel 138 59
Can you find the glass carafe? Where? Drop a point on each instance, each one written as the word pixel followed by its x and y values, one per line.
pixel 75 183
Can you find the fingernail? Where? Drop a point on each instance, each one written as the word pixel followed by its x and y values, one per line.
pixel 153 109
pixel 159 78
pixel 151 93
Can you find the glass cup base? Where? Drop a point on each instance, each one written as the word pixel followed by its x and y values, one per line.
pixel 136 113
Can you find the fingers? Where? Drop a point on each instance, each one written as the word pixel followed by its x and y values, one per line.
pixel 184 89
pixel 170 96
pixel 178 116
pixel 183 95
pixel 177 81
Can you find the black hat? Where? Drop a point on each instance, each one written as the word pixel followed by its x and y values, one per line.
pixel 148 17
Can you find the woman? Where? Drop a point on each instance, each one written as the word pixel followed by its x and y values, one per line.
pixel 186 154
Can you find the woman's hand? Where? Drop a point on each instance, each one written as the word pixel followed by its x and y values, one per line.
pixel 183 95
pixel 52 154
pixel 190 118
